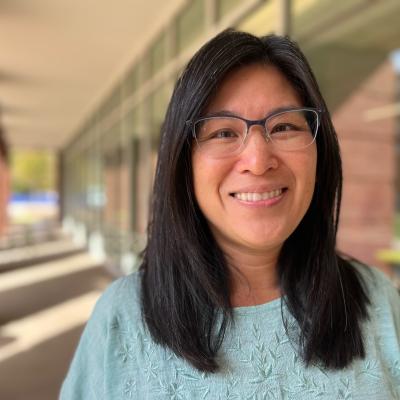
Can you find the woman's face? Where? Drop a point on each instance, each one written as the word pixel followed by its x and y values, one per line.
pixel 225 188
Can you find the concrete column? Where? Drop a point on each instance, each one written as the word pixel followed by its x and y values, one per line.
pixel 284 27
pixel 211 13
pixel 60 185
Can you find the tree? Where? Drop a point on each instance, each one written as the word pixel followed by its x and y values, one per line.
pixel 33 171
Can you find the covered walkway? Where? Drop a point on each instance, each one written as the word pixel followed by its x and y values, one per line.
pixel 90 82
pixel 45 300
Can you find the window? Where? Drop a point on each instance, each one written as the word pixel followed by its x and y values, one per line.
pixel 190 23
pixel 225 7
pixel 158 53
pixel 131 82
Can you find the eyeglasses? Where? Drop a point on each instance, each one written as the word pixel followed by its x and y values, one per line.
pixel 289 130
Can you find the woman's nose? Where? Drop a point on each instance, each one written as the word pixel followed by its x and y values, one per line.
pixel 258 155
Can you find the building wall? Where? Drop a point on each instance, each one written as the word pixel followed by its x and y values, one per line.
pixel 367 144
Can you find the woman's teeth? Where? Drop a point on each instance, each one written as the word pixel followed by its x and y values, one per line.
pixel 258 196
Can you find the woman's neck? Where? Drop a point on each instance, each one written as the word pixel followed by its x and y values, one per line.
pixel 254 278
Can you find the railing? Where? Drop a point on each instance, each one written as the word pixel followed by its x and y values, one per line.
pixel 28 234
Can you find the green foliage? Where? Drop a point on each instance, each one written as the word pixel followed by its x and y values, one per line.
pixel 32 171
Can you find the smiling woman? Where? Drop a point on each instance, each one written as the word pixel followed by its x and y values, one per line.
pixel 254 197
pixel 241 292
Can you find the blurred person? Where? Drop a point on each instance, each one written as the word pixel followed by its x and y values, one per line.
pixel 241 293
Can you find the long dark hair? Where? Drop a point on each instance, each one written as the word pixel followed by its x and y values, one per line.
pixel 185 278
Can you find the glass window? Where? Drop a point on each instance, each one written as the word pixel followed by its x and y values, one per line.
pixel 112 177
pixel 106 107
pixel 134 189
pixel 190 23
pixel 144 69
pixel 95 194
pixel 111 136
pixel 114 99
pixel 158 53
pixel 128 123
pixel 131 82
pixel 311 15
pixel 158 105
pixel 141 120
pixel 263 20
pixel 225 7
pixel 159 102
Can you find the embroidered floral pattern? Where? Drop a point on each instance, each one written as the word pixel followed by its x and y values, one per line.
pixel 259 367
pixel 129 388
pixel 259 361
pixel 126 352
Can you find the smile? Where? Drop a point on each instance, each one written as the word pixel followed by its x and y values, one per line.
pixel 253 197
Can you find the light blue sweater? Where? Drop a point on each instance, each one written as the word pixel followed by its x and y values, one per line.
pixel 117 359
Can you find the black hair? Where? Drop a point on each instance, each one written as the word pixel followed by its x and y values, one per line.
pixel 185 279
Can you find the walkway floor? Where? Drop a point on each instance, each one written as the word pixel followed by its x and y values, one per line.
pixel 43 308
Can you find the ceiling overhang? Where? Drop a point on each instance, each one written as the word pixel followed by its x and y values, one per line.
pixel 58 58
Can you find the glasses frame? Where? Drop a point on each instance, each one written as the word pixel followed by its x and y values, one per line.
pixel 261 122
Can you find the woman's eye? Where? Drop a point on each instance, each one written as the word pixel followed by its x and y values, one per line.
pixel 284 128
pixel 224 134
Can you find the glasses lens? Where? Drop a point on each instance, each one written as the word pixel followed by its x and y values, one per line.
pixel 220 136
pixel 293 130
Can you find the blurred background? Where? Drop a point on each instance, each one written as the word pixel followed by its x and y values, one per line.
pixel 84 86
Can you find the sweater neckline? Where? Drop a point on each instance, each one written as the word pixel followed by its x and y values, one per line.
pixel 259 308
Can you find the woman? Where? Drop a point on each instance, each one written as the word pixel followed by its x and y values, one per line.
pixel 241 294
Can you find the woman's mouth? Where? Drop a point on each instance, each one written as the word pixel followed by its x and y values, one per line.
pixel 258 196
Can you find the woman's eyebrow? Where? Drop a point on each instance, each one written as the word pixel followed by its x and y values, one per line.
pixel 221 113
pixel 227 113
pixel 283 108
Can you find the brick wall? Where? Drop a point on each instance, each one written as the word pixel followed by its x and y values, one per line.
pixel 368 153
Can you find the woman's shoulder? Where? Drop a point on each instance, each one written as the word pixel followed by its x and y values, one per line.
pixel 116 311
pixel 124 285
pixel 384 297
pixel 121 297
pixel 375 280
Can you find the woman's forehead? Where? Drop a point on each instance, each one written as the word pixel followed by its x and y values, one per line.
pixel 255 88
